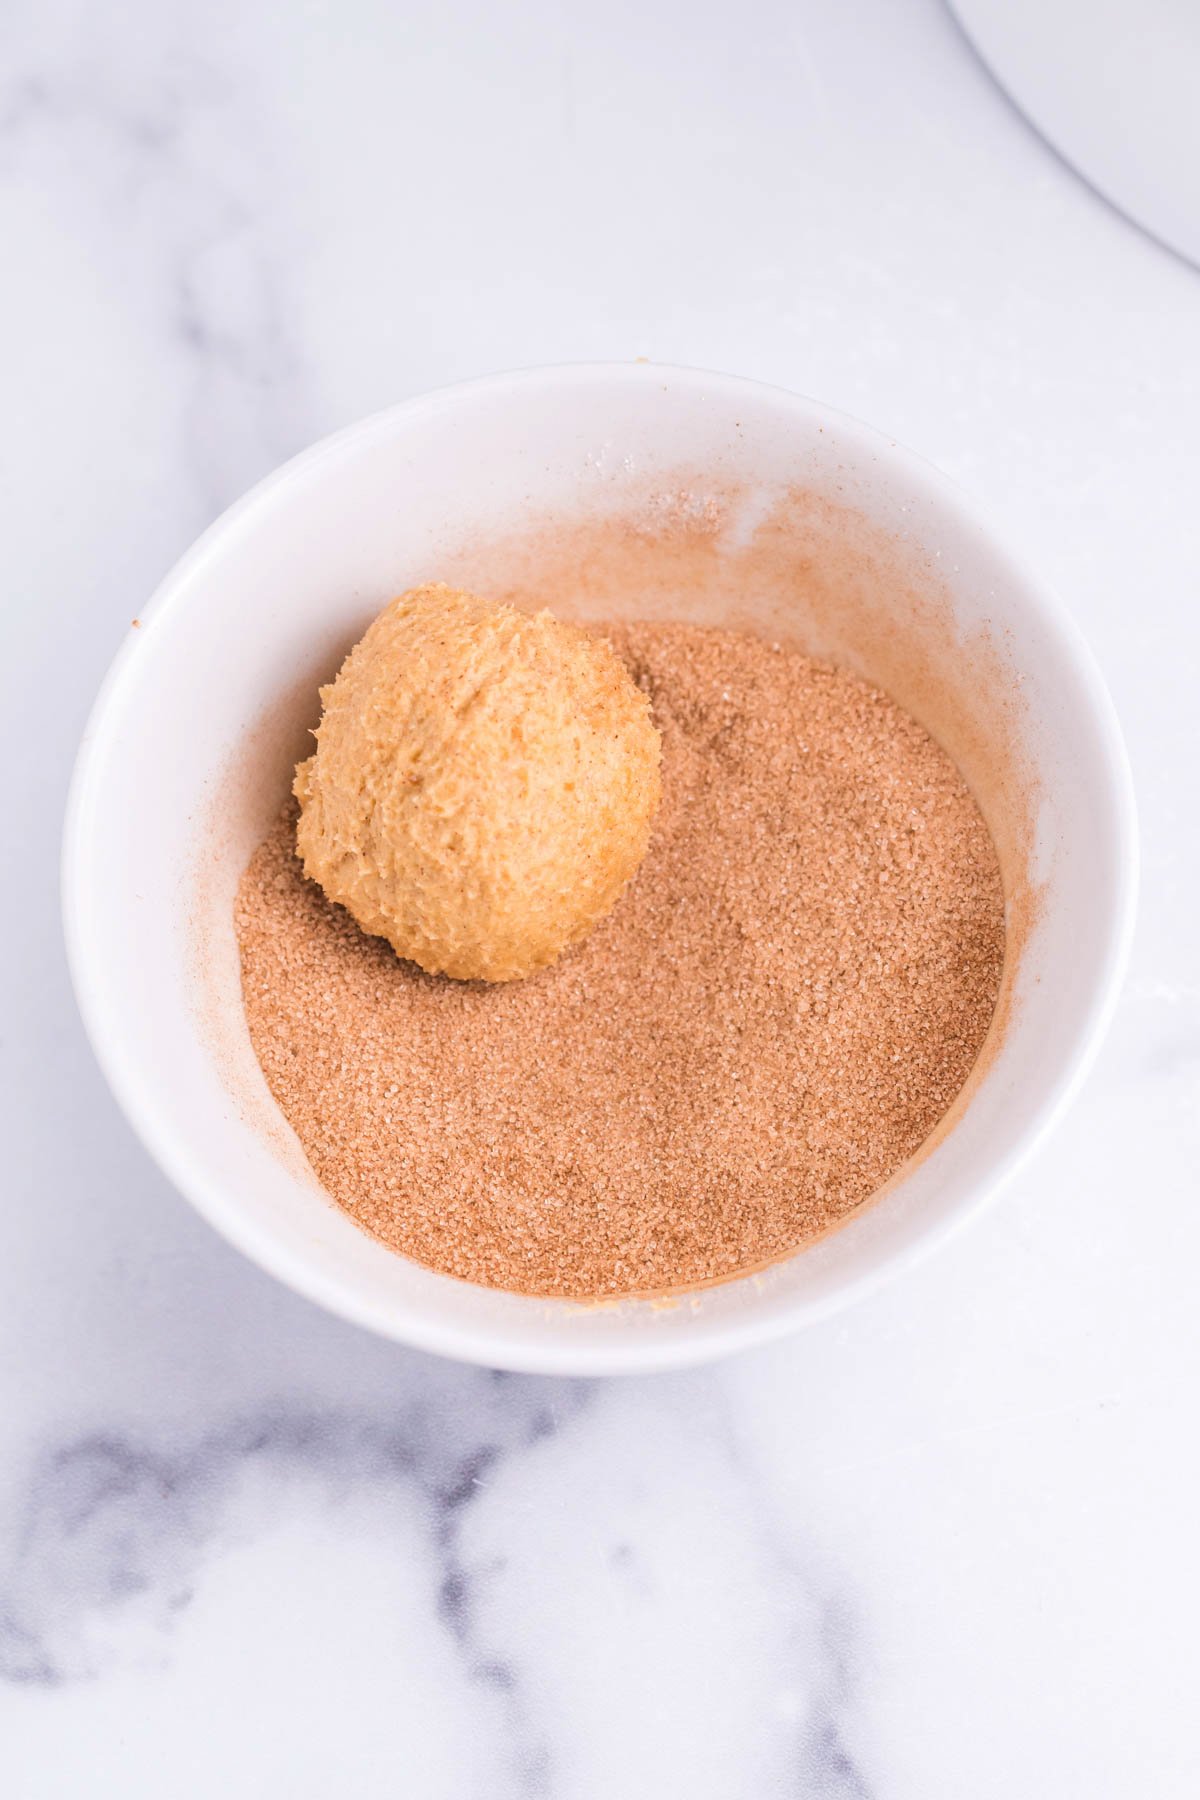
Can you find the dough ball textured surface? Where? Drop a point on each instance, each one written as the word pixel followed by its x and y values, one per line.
pixel 483 785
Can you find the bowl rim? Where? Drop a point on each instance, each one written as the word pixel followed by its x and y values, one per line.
pixel 489 1345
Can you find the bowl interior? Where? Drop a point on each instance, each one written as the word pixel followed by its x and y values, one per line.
pixel 603 492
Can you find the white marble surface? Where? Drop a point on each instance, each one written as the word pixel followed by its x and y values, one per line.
pixel 942 1546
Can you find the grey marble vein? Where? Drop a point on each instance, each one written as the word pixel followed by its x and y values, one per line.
pixel 826 1640
pixel 112 1524
pixel 827 1767
pixel 180 160
pixel 117 1528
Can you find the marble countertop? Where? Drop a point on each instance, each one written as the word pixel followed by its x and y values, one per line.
pixel 942 1546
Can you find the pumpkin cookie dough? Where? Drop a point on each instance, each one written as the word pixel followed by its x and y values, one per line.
pixel 483 784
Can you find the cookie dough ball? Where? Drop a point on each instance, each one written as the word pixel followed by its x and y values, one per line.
pixel 483 784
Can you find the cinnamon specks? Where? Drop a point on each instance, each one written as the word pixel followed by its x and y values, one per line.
pixel 783 1005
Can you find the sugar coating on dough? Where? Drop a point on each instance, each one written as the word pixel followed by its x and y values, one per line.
pixel 483 785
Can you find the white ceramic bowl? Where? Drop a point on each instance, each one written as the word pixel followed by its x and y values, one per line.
pixel 699 496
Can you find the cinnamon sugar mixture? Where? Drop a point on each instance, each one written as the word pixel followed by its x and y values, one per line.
pixel 783 1005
